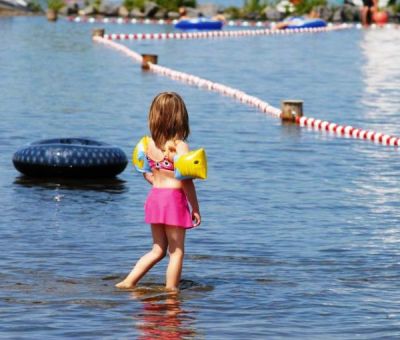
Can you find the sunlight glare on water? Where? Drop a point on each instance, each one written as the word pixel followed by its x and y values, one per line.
pixel 381 73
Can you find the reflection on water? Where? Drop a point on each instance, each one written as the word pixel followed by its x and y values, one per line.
pixel 381 75
pixel 381 72
pixel 110 185
pixel 162 315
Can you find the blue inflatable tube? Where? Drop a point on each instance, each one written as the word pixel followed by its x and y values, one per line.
pixel 300 22
pixel 70 157
pixel 199 24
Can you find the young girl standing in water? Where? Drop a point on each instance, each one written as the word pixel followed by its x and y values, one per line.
pixel 166 207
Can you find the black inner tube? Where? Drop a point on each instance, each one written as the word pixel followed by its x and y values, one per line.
pixel 70 157
pixel 70 141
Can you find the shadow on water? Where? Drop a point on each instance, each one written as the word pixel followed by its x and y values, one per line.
pixel 110 185
pixel 42 287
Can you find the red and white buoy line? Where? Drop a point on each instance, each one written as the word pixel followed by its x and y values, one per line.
pixel 219 34
pixel 348 131
pixel 230 23
pixel 316 124
pixel 119 20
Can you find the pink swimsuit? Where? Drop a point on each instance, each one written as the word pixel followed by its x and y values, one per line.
pixel 165 164
pixel 167 206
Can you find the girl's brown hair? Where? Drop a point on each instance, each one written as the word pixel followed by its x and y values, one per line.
pixel 168 119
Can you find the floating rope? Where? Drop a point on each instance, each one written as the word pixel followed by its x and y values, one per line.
pixel 119 20
pixel 220 34
pixel 349 131
pixel 317 124
pixel 119 47
pixel 231 23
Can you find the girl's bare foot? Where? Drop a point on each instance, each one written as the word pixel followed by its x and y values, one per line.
pixel 124 285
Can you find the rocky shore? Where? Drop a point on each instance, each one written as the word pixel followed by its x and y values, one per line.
pixel 344 13
pixel 152 10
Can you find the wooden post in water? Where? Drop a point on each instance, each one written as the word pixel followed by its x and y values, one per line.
pixel 152 58
pixel 98 32
pixel 51 14
pixel 291 109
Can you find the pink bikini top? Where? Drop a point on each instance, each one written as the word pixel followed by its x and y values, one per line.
pixel 165 164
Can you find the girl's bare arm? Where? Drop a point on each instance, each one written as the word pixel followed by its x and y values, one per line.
pixel 149 177
pixel 189 188
pixel 190 192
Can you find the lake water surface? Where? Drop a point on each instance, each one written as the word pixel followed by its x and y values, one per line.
pixel 300 235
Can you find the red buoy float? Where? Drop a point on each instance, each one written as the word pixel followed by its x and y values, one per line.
pixel 380 17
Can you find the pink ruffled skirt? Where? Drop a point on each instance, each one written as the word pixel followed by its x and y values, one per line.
pixel 167 206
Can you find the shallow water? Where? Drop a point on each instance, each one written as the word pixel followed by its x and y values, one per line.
pixel 301 234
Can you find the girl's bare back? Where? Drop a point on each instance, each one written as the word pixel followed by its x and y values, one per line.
pixel 165 178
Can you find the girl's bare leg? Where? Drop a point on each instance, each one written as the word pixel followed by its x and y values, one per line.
pixel 147 261
pixel 176 248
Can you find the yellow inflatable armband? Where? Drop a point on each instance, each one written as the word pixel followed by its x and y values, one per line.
pixel 139 158
pixel 191 165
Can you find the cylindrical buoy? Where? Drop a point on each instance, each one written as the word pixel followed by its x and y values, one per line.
pixel 98 32
pixel 291 109
pixel 148 58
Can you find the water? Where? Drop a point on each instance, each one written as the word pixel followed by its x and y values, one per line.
pixel 300 237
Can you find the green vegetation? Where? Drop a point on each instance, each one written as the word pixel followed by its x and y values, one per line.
pixel 233 12
pixel 254 6
pixel 129 4
pixel 396 8
pixel 34 6
pixel 173 5
pixel 169 5
pixel 96 4
pixel 306 6
pixel 55 5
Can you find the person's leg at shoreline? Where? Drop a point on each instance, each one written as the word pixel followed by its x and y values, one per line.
pixel 147 261
pixel 176 249
pixel 367 11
